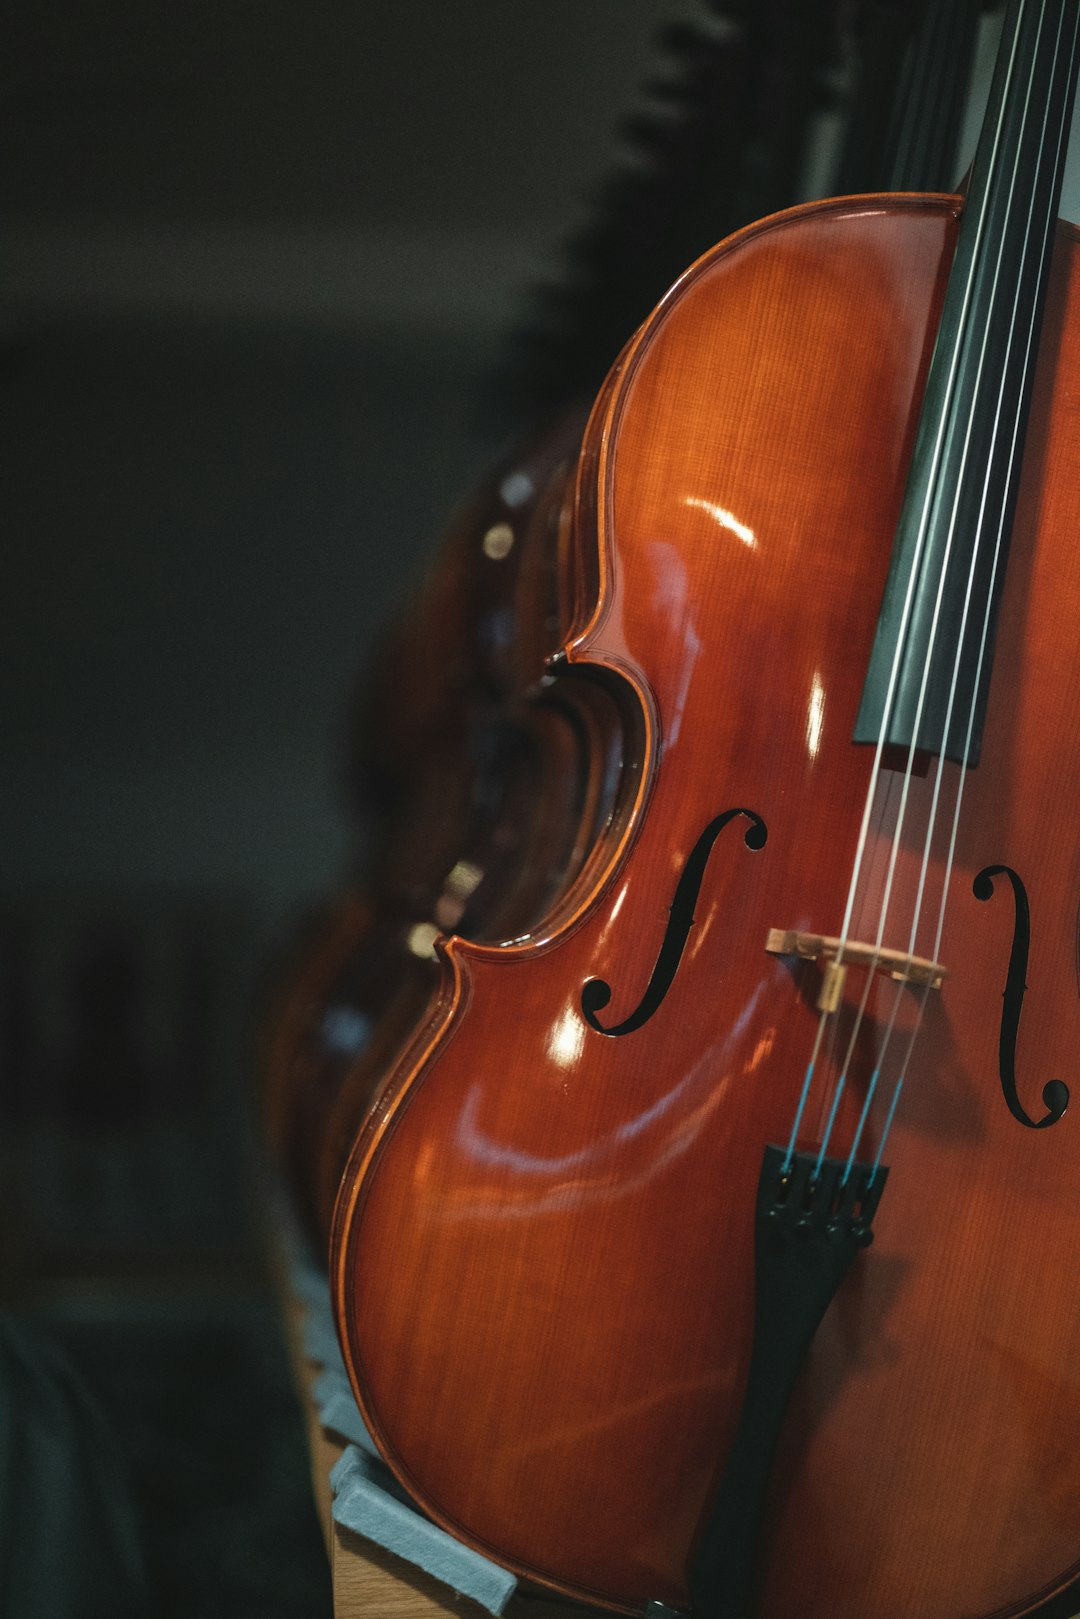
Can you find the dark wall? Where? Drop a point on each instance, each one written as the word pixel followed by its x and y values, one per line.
pixel 257 258
pixel 204 529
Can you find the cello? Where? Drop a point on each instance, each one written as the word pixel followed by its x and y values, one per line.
pixel 479 802
pixel 832 930
pixel 450 772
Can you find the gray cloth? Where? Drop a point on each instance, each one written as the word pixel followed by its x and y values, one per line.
pixel 367 1501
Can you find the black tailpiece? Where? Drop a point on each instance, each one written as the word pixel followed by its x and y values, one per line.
pixel 810 1224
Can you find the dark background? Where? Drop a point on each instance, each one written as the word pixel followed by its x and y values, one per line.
pixel 255 259
pixel 257 262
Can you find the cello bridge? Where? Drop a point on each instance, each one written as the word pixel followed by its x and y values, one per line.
pixel 898 964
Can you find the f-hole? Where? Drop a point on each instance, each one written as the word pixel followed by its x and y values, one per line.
pixel 596 994
pixel 1055 1093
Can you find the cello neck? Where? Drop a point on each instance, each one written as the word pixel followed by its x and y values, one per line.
pixel 930 666
pixel 926 123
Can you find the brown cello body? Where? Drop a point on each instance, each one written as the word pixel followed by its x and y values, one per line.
pixel 543 1249
pixel 479 806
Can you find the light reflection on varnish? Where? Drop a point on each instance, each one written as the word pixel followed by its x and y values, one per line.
pixel 815 715
pixel 726 519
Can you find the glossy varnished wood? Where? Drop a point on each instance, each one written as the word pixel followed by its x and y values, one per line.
pixel 483 792
pixel 543 1247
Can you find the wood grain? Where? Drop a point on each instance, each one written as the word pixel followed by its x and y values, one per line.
pixel 543 1249
pixel 368 1581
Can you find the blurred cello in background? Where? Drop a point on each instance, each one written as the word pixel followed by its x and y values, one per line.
pixel 450 771
pixel 785 959
pixel 477 803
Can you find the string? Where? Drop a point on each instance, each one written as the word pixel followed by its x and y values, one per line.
pixel 1014 449
pixel 978 230
pixel 954 682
